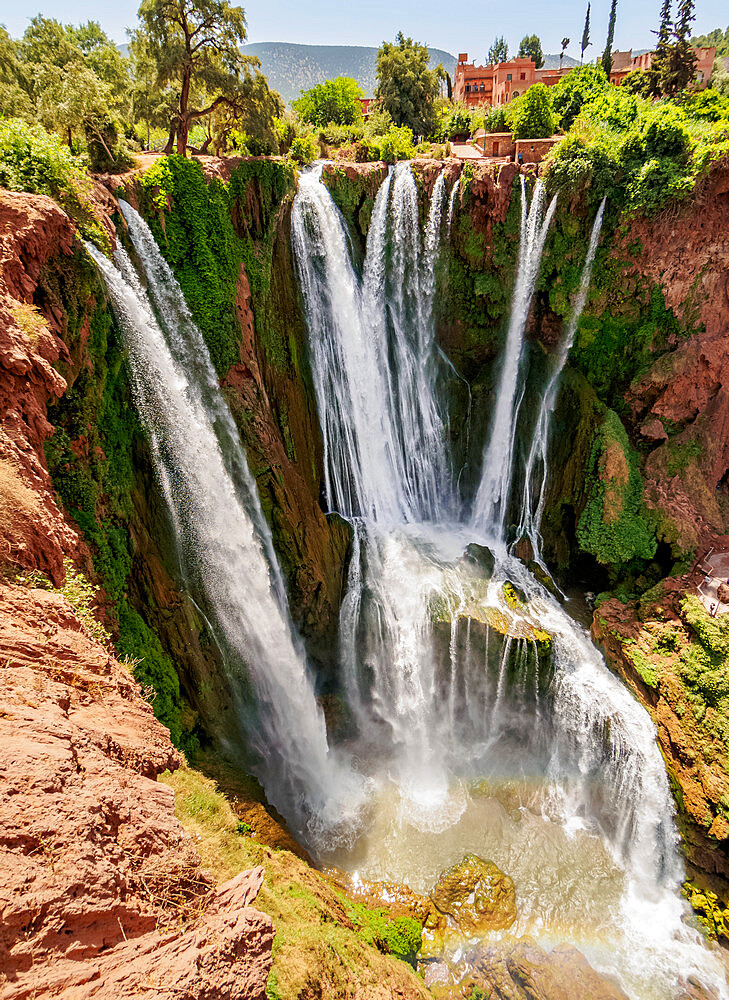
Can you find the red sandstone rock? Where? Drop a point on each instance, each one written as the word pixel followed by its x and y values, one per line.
pixel 33 230
pixel 101 891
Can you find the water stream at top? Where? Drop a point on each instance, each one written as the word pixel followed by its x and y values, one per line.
pixel 474 739
pixel 530 522
pixel 492 499
pixel 224 542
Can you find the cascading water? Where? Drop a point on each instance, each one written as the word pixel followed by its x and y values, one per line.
pixel 224 542
pixel 492 499
pixel 531 516
pixel 462 719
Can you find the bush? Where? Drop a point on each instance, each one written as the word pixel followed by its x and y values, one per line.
pixel 332 101
pixel 533 117
pixel 34 160
pixel 574 90
pixel 304 149
pixel 495 120
pixel 396 144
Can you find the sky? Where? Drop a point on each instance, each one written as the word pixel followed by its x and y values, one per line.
pixel 468 27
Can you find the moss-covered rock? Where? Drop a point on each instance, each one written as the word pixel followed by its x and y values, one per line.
pixel 477 895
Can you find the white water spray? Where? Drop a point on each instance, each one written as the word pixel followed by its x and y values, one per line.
pixel 492 499
pixel 224 542
pixel 531 516
pixel 443 694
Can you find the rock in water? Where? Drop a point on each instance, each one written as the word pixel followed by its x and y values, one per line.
pixel 477 895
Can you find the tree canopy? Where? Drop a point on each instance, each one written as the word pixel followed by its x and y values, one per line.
pixel 607 56
pixel 530 47
pixel 533 117
pixel 333 101
pixel 499 51
pixel 406 86
pixel 194 47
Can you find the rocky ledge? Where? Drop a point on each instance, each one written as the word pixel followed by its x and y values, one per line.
pixel 101 891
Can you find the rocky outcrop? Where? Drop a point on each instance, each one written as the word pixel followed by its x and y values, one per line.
pixel 477 895
pixel 35 536
pixel 101 890
pixel 673 656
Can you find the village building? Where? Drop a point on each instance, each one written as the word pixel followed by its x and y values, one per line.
pixel 498 83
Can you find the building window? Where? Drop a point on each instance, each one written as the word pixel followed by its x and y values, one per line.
pixel 508 76
pixel 700 77
pixel 514 94
pixel 523 76
pixel 468 88
pixel 483 87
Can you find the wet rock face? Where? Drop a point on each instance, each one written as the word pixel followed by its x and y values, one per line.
pixel 477 895
pixel 101 890
pixel 524 970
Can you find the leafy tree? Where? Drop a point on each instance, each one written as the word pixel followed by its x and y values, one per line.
pixel 565 43
pixel 530 47
pixel 679 69
pixel 15 99
pixel 640 82
pixel 575 89
pixel 194 46
pixel 499 51
pixel 67 94
pixel 720 77
pixel 333 101
pixel 607 56
pixel 585 34
pixel 533 117
pixel 406 86
pixel 717 39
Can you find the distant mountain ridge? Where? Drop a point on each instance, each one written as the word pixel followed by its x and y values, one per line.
pixel 291 68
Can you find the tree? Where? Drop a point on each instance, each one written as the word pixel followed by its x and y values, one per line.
pixel 533 117
pixel 333 101
pixel 607 56
pixel 585 34
pixel 565 43
pixel 406 86
pixel 15 99
pixel 530 47
pixel 575 89
pixel 194 46
pixel 499 51
pixel 679 69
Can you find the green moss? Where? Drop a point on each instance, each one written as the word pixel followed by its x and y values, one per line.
pixel 401 936
pixel 614 526
pixel 206 230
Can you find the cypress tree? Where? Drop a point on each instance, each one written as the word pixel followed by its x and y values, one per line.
pixel 585 33
pixel 607 56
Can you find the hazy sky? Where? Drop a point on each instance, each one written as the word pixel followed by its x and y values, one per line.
pixel 458 27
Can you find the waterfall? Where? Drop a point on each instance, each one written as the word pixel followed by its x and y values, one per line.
pixel 224 542
pixel 531 517
pixel 441 670
pixel 492 499
pixel 452 205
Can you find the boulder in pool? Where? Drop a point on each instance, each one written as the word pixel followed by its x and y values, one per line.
pixel 477 895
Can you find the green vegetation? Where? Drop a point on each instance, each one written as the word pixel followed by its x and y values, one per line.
pixel 530 47
pixel 641 155
pixel 533 117
pixel 607 55
pixel 194 47
pixel 33 160
pixel 193 225
pixel 323 940
pixel 499 51
pixel 613 526
pixel 334 101
pixel 406 87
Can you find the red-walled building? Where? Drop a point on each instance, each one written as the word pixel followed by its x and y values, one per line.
pixel 626 62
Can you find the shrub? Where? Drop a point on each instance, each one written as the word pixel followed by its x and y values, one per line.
pixel 575 89
pixel 533 117
pixel 34 160
pixel 304 149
